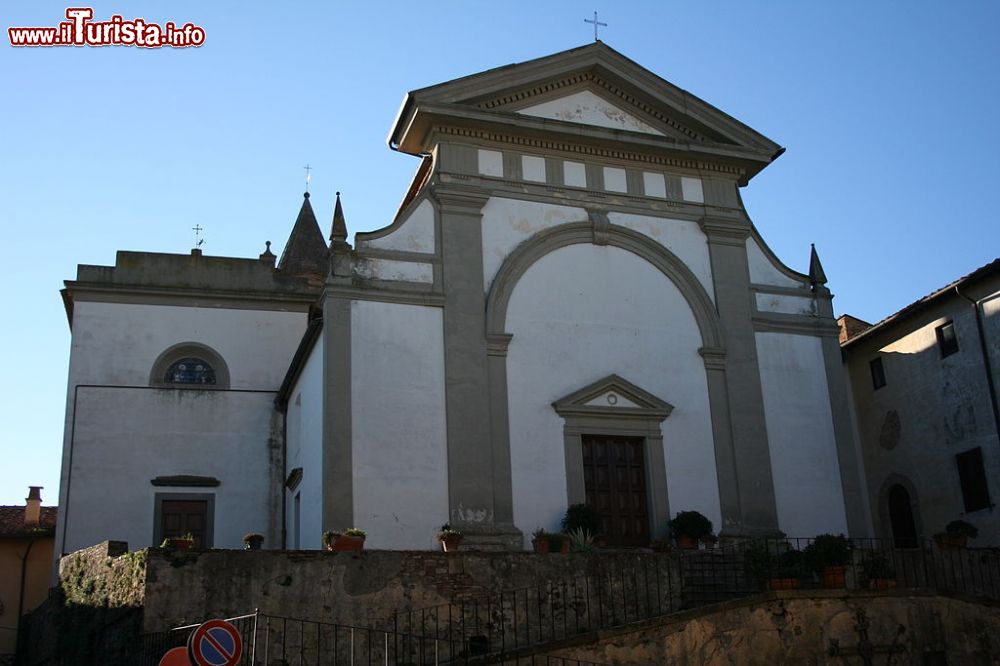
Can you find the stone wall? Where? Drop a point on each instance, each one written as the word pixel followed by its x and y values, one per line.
pixel 364 589
pixel 814 627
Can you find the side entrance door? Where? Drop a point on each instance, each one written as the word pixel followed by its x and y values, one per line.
pixel 614 475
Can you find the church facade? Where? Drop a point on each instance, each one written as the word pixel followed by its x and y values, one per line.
pixel 571 305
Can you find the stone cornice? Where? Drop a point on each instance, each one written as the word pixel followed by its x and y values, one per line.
pixel 497 343
pixel 549 145
pixel 518 98
pixel 776 322
pixel 714 357
pixel 725 231
pixel 453 199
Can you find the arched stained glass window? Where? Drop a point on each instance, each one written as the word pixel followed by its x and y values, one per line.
pixel 190 370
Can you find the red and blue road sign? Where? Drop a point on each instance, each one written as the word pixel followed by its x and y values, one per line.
pixel 215 643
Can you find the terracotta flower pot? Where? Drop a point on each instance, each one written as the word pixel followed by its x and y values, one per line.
pixel 951 541
pixel 833 578
pixel 783 583
pixel 345 544
pixel 684 542
pixel 450 543
pixel 181 544
pixel 541 545
pixel 881 583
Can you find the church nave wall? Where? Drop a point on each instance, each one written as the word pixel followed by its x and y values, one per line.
pixel 577 315
pixel 399 452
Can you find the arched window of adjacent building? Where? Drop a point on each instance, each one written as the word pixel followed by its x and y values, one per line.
pixel 190 365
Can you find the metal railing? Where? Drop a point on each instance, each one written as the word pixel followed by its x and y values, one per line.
pixel 548 612
pixel 518 626
pixel 791 563
pixel 270 640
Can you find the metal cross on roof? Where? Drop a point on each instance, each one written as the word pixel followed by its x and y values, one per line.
pixel 308 169
pixel 596 23
pixel 198 240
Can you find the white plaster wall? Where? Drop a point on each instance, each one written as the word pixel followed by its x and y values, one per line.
pixel 415 234
pixel 400 271
pixel 491 163
pixel 803 447
pixel 304 437
pixel 786 304
pixel 509 222
pixel 579 314
pixel 589 109
pixel 684 238
pixel 399 454
pixel 124 437
pixel 117 343
pixel 762 271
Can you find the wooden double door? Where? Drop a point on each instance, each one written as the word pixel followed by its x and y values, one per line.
pixel 614 472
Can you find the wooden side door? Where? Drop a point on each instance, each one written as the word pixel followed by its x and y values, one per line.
pixel 178 517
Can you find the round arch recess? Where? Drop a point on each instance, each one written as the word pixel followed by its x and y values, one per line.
pixel 190 350
pixel 529 252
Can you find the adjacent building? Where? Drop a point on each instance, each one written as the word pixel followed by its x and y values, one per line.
pixel 26 544
pixel 924 383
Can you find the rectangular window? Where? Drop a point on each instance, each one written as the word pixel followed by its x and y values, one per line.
pixel 177 514
pixel 947 342
pixel 972 476
pixel 878 373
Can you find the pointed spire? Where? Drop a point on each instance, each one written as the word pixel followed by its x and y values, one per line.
pixel 305 251
pixel 338 234
pixel 817 276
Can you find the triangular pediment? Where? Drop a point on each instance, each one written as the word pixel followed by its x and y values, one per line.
pixel 588 108
pixel 589 94
pixel 613 394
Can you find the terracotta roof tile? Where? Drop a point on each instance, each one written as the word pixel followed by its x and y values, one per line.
pixel 12 521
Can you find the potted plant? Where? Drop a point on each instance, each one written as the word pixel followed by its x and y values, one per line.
pixel 450 538
pixel 879 572
pixel 549 542
pixel 956 534
pixel 758 562
pixel 253 541
pixel 581 541
pixel 788 571
pixel 351 539
pixel 581 517
pixel 829 555
pixel 183 542
pixel 688 527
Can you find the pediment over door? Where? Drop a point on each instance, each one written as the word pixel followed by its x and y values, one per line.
pixel 613 396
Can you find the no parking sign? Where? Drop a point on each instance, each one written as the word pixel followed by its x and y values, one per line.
pixel 215 643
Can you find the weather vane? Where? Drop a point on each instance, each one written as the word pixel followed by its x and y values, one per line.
pixel 308 177
pixel 198 240
pixel 596 23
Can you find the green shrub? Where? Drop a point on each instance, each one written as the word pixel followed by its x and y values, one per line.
pixel 690 523
pixel 960 527
pixel 828 550
pixel 581 517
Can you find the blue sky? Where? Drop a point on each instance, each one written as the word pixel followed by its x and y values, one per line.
pixel 887 110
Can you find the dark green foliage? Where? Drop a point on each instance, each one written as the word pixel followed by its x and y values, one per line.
pixel 828 550
pixel 961 527
pixel 581 517
pixel 690 523
pixel 877 566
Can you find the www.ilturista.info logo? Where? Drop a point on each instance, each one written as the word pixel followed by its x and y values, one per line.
pixel 79 30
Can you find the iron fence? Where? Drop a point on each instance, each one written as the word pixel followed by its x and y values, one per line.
pixel 753 565
pixel 502 622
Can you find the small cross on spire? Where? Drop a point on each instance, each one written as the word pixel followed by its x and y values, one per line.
pixel 596 23
pixel 308 177
pixel 198 240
